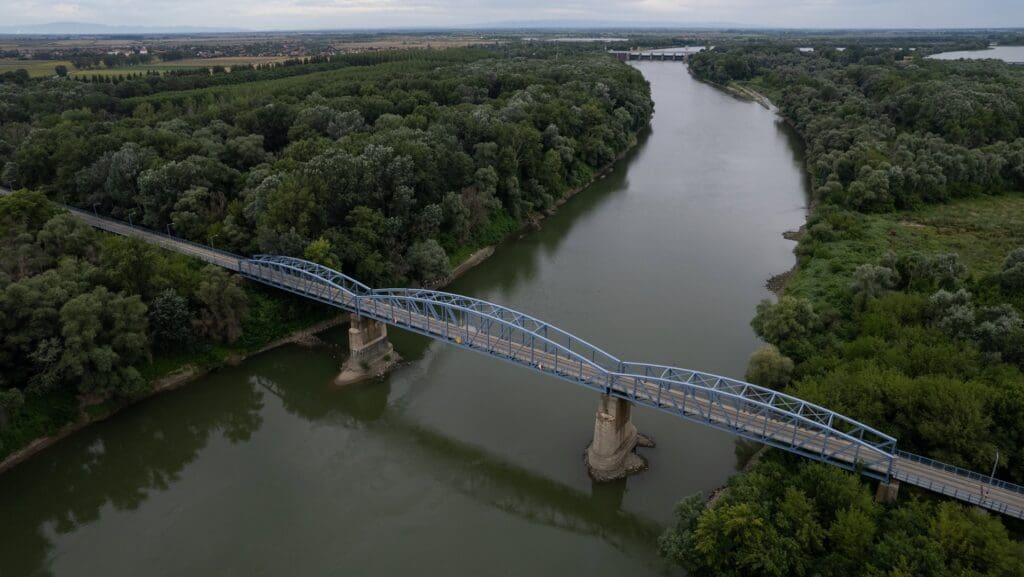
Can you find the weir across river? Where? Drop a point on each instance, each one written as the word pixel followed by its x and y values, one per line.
pixel 743 409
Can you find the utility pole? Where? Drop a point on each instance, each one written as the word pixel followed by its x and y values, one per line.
pixel 992 477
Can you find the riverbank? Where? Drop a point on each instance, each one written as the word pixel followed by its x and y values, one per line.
pixel 663 260
pixel 186 374
pixel 533 221
pixel 740 91
pixel 180 376
pixel 776 283
pixel 877 343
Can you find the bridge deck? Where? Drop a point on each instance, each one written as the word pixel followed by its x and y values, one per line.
pixel 745 417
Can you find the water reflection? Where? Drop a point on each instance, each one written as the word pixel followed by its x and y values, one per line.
pixel 474 472
pixel 116 465
pixel 524 257
pixel 149 450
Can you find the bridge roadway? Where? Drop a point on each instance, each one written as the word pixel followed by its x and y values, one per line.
pixel 746 416
pixel 909 468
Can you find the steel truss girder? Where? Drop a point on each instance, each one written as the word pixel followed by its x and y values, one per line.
pixel 741 408
pixel 734 406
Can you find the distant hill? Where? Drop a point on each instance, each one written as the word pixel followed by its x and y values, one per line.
pixel 90 28
pixel 602 25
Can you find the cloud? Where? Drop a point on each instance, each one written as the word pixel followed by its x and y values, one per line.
pixel 65 10
pixel 283 14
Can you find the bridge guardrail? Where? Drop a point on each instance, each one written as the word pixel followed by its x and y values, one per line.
pixel 961 494
pixel 115 225
pixel 740 408
pixel 966 473
pixel 810 411
pixel 312 270
pixel 525 322
pixel 873 461
pixel 737 390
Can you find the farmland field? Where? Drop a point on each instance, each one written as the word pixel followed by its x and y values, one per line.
pixel 41 68
pixel 36 68
pixel 188 63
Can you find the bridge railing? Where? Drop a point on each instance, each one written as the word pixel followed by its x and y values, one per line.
pixel 961 472
pixel 524 323
pixel 161 238
pixel 810 411
pixel 973 497
pixel 311 274
pixel 740 408
pixel 482 329
pixel 753 418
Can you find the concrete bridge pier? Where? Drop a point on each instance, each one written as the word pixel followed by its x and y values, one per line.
pixel 887 492
pixel 612 453
pixel 370 353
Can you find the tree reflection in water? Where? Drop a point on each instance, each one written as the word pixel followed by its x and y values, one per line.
pixel 144 450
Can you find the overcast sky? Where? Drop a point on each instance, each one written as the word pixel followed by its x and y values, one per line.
pixel 331 14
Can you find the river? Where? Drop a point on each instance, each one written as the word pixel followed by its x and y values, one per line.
pixel 1011 54
pixel 456 464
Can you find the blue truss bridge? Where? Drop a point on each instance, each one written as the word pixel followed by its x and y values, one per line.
pixel 743 409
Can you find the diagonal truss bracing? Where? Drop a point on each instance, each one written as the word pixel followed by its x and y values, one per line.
pixel 744 409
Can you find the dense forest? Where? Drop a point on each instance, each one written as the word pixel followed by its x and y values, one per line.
pixel 786 518
pixel 905 312
pixel 386 169
pixel 887 130
pixel 388 166
pixel 87 318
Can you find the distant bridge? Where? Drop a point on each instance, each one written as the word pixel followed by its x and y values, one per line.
pixel 744 409
pixel 649 55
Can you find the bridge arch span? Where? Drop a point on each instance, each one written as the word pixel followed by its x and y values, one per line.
pixel 741 408
pixel 332 287
pixel 311 271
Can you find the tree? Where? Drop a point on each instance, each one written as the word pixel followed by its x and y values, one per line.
pixel 130 265
pixel 870 282
pixel 197 210
pixel 61 70
pixel 64 235
pixel 769 368
pixel 737 540
pixel 104 337
pixel 170 321
pixel 10 401
pixel 321 252
pixel 974 542
pixel 791 324
pixel 676 543
pixel 243 152
pixel 999 329
pixel 852 534
pixel 160 188
pixel 428 261
pixel 223 305
pixel 1012 274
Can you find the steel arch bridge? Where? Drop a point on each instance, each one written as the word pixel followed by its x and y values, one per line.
pixel 744 409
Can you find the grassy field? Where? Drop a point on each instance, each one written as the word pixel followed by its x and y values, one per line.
pixel 399 43
pixel 41 68
pixel 325 81
pixel 187 64
pixel 36 68
pixel 981 230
